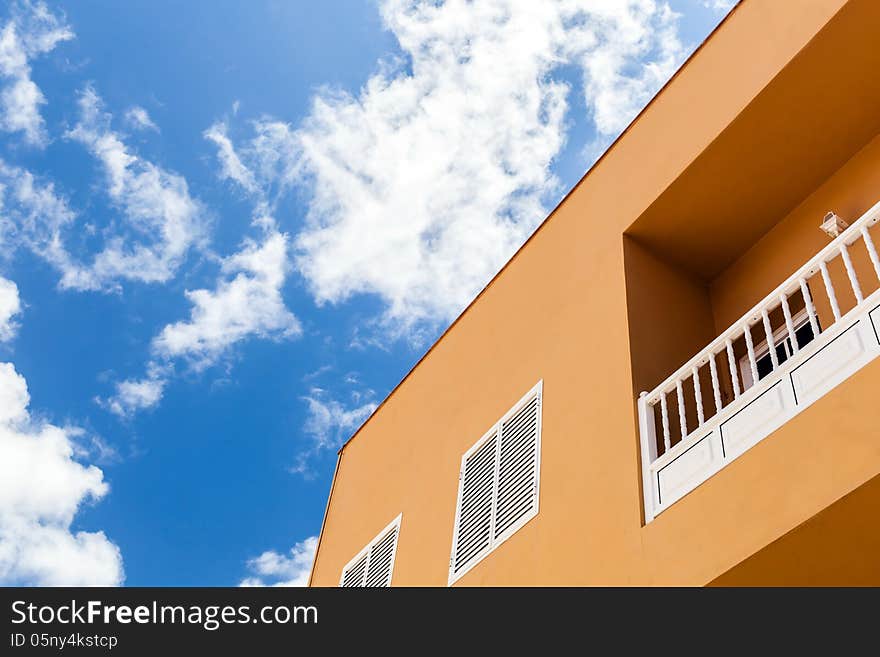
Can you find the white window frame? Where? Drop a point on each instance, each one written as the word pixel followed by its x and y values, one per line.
pixel 799 320
pixel 369 546
pixel 494 543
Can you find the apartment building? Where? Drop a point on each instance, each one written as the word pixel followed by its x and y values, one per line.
pixel 676 380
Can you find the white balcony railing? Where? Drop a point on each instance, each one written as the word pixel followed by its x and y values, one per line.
pixel 767 367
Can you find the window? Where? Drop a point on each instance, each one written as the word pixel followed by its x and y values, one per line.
pixel 498 484
pixel 374 564
pixel 803 331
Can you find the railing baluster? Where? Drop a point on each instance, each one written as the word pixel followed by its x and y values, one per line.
pixel 664 416
pixel 869 243
pixel 731 362
pixel 768 331
pixel 811 309
pixel 829 288
pixel 751 349
pixel 698 395
pixel 682 420
pixel 716 387
pixel 851 273
pixel 789 324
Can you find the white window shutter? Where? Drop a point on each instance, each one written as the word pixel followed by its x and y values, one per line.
pixel 517 468
pixel 381 560
pixel 374 565
pixel 474 516
pixel 498 487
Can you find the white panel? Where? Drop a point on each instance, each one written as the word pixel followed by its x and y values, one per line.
pixel 757 419
pixel 830 365
pixel 689 469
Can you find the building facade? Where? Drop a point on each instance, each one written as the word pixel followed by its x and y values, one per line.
pixel 676 380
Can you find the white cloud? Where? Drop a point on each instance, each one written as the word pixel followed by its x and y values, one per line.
pixel 161 219
pixel 139 119
pixel 424 183
pixel 231 167
pixel 42 487
pixel 32 30
pixel 627 52
pixel 719 5
pixel 329 422
pixel 245 302
pixel 133 395
pixel 275 569
pixel 10 306
pixel 265 168
pixel 34 215
pixel 158 222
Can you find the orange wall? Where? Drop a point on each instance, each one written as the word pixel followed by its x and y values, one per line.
pixel 657 290
pixel 559 312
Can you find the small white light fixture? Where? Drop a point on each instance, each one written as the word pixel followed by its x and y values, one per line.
pixel 833 225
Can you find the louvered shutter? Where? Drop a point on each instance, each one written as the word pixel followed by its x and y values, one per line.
pixel 498 487
pixel 474 521
pixel 374 564
pixel 381 558
pixel 517 468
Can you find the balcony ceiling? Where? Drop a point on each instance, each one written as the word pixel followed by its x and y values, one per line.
pixel 817 113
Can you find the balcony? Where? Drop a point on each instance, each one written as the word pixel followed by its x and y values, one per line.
pixel 806 337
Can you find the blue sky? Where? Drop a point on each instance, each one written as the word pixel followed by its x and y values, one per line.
pixel 228 229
